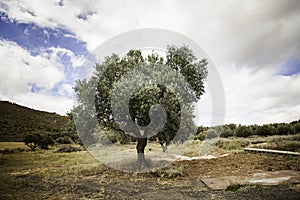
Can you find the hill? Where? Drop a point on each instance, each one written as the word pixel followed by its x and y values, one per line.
pixel 16 121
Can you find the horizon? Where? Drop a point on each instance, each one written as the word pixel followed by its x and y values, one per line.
pixel 197 125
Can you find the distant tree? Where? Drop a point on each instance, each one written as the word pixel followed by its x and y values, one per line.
pixel 243 131
pixel 37 140
pixel 283 129
pixel 231 126
pixel 45 140
pixel 296 128
pixel 226 132
pixel 265 130
pixel 32 140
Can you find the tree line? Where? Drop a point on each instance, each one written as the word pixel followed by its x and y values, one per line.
pixel 234 130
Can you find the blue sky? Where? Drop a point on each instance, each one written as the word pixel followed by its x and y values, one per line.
pixel 37 40
pixel 43 45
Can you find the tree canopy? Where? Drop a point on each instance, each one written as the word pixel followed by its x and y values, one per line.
pixel 174 82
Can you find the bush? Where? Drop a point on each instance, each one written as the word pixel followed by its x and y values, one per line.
pixel 289 146
pixel 200 129
pixel 112 136
pixel 283 129
pixel 211 133
pixel 172 171
pixel 296 128
pixel 234 187
pixel 200 137
pixel 265 130
pixel 64 140
pixel 243 131
pixel 68 149
pixel 226 132
pixel 37 140
pixel 123 138
pixel 31 140
pixel 45 141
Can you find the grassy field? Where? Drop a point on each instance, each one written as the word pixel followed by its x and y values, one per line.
pixel 12 145
pixel 46 174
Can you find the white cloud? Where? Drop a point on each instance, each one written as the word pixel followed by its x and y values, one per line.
pixel 56 53
pixel 44 102
pixel 253 33
pixel 19 70
pixel 260 96
pixel 65 90
pixel 247 40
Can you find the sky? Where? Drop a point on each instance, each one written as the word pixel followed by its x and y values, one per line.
pixel 255 46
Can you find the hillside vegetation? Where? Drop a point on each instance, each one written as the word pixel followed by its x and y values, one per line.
pixel 17 121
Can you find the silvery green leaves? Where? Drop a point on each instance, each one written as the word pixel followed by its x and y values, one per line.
pixel 140 96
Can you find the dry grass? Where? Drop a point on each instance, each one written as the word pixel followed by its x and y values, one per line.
pixel 12 145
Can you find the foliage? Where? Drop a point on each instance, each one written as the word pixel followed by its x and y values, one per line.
pixel 201 129
pixel 229 130
pixel 234 187
pixel 283 129
pixel 243 131
pixel 68 149
pixel 265 130
pixel 226 132
pixel 37 140
pixel 32 141
pixel 17 121
pixel 211 133
pixel 200 136
pixel 102 83
pixel 296 128
pixel 64 140
pixel 172 171
pixel 45 140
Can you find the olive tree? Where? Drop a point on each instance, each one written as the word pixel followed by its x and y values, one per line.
pixel 141 104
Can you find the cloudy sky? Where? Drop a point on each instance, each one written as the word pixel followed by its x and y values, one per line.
pixel 255 46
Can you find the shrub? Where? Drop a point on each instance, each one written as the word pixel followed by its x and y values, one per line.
pixel 226 132
pixel 172 171
pixel 123 138
pixel 201 129
pixel 243 131
pixel 283 129
pixel 265 130
pixel 68 149
pixel 112 136
pixel 32 140
pixel 64 140
pixel 200 137
pixel 37 140
pixel 234 187
pixel 45 141
pixel 289 146
pixel 211 133
pixel 296 128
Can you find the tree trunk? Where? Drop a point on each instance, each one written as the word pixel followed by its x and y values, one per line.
pixel 140 147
